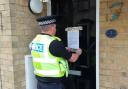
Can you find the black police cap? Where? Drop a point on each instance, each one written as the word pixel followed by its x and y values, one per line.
pixel 46 20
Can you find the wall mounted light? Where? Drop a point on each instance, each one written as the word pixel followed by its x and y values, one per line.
pixel 35 6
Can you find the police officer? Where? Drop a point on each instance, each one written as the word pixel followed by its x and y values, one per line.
pixel 50 56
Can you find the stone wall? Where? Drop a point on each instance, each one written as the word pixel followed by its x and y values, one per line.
pixel 6 58
pixel 113 51
pixel 17 28
pixel 24 27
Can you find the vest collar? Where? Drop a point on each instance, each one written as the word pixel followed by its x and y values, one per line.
pixel 45 34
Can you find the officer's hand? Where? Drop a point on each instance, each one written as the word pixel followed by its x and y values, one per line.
pixel 75 56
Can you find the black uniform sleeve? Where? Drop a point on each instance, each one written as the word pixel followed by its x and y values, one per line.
pixel 58 49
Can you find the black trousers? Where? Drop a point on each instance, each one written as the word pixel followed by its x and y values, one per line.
pixel 49 85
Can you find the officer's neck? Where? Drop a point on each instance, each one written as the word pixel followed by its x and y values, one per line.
pixel 48 33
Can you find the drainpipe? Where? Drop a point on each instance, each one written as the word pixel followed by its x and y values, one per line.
pixel 49 7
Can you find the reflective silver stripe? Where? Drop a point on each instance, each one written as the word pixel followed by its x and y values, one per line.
pixel 48 72
pixel 44 60
pixel 75 72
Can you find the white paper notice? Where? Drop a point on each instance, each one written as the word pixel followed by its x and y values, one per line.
pixel 73 39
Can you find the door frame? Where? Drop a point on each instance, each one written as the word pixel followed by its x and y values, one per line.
pixel 97 42
pixel 97 37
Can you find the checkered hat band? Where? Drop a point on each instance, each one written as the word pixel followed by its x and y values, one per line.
pixel 47 22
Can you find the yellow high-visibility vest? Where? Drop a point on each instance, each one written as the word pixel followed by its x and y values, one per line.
pixel 46 64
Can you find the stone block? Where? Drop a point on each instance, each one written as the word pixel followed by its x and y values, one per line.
pixel 4 1
pixel 6 13
pixel 107 84
pixel 2 8
pixel 7 6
